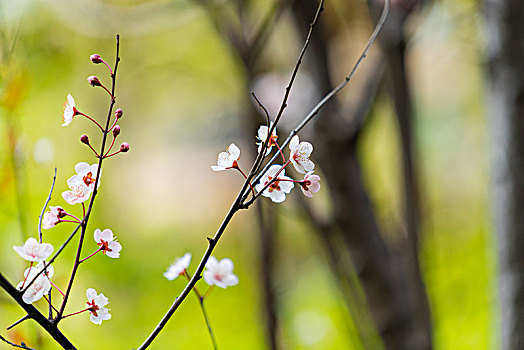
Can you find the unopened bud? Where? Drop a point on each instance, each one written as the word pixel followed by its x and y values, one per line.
pixel 116 131
pixel 61 212
pixel 84 139
pixel 95 58
pixel 94 81
pixel 119 113
pixel 124 147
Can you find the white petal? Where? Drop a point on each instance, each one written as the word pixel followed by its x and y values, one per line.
pixel 208 277
pixel 212 263
pixel 286 186
pixel 101 300
pixel 71 100
pixel 107 235
pixel 217 168
pixel 226 265
pixel 293 143
pixel 90 294
pixel 298 167
pixel 75 180
pixel 305 148
pixel 277 196
pixel 82 168
pixel 234 151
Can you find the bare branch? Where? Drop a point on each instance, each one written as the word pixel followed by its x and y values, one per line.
pixel 21 346
pixel 45 206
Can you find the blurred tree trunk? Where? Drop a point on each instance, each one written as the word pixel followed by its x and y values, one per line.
pixel 505 20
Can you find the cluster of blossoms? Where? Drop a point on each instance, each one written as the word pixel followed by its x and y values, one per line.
pixel 274 183
pixel 36 283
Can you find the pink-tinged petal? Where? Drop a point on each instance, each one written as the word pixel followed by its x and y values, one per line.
pixel 277 196
pixel 286 186
pixel 208 277
pixel 293 144
pixel 307 193
pixel 231 280
pixel 226 265
pixel 107 235
pixel 308 165
pixel 90 294
pixel 82 168
pixel 234 151
pixel 314 187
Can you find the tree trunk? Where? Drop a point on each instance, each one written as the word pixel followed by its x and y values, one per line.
pixel 505 19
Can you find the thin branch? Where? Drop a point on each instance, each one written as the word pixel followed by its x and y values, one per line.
pixel 268 119
pixel 26 317
pixel 45 206
pixel 332 93
pixel 208 324
pixel 21 346
pixel 95 191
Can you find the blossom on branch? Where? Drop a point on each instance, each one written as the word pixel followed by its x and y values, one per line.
pixel 96 306
pixel 178 267
pixel 108 243
pixel 69 110
pixel 310 184
pixel 220 273
pixel 299 155
pixel 79 192
pixel 87 174
pixel 52 217
pixel 227 160
pixel 262 136
pixel 40 287
pixel 34 251
pixel 278 189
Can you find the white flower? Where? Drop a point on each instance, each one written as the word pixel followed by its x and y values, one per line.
pixel 87 174
pixel 262 136
pixel 38 288
pixel 79 191
pixel 52 217
pixel 69 110
pixel 34 251
pixel 220 273
pixel 178 267
pixel 299 155
pixel 96 304
pixel 107 243
pixel 228 159
pixel 311 184
pixel 50 271
pixel 278 189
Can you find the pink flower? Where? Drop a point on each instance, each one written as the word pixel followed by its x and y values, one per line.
pixel 34 251
pixel 96 304
pixel 108 243
pixel 39 287
pixel 228 159
pixel 262 136
pixel 220 273
pixel 178 267
pixel 52 217
pixel 278 189
pixel 299 155
pixel 69 110
pixel 79 192
pixel 310 184
pixel 87 174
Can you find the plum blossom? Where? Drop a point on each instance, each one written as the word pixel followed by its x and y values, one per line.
pixel 220 273
pixel 96 306
pixel 262 136
pixel 228 159
pixel 87 174
pixel 108 243
pixel 79 192
pixel 34 251
pixel 278 189
pixel 178 267
pixel 310 184
pixel 299 155
pixel 69 110
pixel 52 217
pixel 39 287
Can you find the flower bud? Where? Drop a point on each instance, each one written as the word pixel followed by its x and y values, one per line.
pixel 61 212
pixel 84 139
pixel 116 130
pixel 95 58
pixel 119 113
pixel 94 81
pixel 124 147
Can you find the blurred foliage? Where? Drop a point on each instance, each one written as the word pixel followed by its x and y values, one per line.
pixel 181 91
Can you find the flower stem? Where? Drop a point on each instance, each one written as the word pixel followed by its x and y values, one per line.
pixel 78 312
pixel 108 66
pixel 91 119
pixel 50 303
pixel 81 261
pixel 245 177
pixel 110 147
pixel 58 289
pixel 281 153
pixel 208 324
pixel 28 272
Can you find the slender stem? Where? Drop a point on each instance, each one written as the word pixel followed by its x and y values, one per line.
pixel 76 313
pixel 281 153
pixel 208 324
pixel 45 206
pixel 58 289
pixel 28 273
pixel 91 119
pixel 268 121
pixel 71 215
pixel 95 191
pixel 109 92
pixel 81 261
pixel 94 151
pixel 49 301
pixel 208 291
pixel 108 66
pixel 245 177
pixel 112 154
pixel 26 317
pixel 111 146
pixel 74 221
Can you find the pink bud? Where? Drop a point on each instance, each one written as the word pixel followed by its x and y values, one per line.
pixel 95 58
pixel 124 147
pixel 84 139
pixel 61 212
pixel 119 113
pixel 94 81
pixel 116 131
